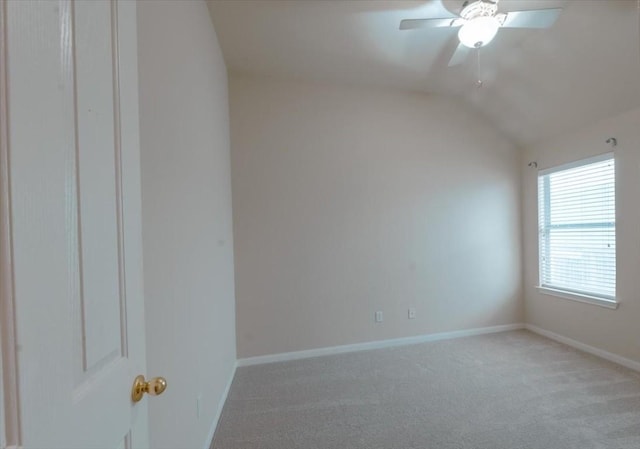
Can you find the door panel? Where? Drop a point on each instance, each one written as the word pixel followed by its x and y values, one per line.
pixel 72 142
pixel 98 183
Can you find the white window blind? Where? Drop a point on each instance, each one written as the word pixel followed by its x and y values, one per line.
pixel 577 228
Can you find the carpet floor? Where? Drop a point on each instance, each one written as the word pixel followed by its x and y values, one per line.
pixel 513 390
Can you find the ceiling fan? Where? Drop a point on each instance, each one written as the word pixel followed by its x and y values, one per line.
pixel 479 22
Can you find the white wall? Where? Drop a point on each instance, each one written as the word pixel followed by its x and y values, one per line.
pixel 347 201
pixel 616 331
pixel 187 227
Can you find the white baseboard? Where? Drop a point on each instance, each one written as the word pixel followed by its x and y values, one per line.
pixel 628 363
pixel 221 402
pixel 286 356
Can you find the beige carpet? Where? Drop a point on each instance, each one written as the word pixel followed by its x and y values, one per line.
pixel 513 390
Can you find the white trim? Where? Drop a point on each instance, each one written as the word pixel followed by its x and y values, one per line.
pixel 575 164
pixel 615 358
pixel 285 356
pixel 10 427
pixel 586 299
pixel 221 403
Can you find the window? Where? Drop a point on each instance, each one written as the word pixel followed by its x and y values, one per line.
pixel 577 230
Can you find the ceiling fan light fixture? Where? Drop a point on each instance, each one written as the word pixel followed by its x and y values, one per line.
pixel 478 31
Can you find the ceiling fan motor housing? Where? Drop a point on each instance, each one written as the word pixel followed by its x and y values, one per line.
pixel 478 8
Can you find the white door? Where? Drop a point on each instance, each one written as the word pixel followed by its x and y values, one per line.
pixel 70 113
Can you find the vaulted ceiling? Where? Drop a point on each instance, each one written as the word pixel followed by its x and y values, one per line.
pixel 536 83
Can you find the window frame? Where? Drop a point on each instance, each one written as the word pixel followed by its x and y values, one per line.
pixel 579 296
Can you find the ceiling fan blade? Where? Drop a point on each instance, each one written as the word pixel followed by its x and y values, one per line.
pixel 412 24
pixel 460 55
pixel 535 18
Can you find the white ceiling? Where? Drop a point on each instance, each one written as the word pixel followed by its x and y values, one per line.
pixel 536 83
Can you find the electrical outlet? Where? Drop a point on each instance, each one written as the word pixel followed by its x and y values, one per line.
pixel 412 313
pixel 379 316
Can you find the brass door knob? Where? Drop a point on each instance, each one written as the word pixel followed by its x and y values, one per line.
pixel 153 387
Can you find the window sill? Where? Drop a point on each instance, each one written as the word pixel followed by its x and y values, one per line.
pixel 606 303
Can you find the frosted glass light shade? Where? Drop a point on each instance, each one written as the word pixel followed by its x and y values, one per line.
pixel 478 32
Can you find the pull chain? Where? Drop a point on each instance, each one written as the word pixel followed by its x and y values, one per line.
pixel 479 81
